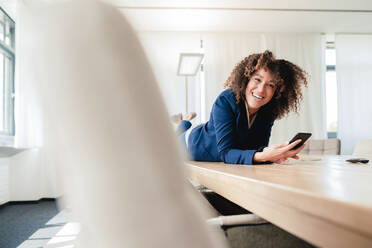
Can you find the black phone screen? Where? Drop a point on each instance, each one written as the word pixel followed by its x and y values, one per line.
pixel 302 136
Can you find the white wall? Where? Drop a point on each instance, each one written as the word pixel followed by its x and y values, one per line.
pixel 162 50
pixel 28 176
pixel 23 178
pixel 31 174
pixel 4 180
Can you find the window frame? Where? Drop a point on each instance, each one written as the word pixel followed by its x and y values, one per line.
pixel 8 51
pixel 331 68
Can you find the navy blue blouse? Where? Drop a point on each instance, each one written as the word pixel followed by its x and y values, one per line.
pixel 226 136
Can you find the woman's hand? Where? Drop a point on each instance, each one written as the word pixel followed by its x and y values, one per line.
pixel 278 153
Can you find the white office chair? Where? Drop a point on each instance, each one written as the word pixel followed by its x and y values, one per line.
pixel 121 157
pixel 322 147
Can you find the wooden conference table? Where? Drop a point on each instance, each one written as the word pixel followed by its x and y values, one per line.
pixel 321 199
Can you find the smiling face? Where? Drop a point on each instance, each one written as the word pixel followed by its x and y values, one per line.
pixel 260 89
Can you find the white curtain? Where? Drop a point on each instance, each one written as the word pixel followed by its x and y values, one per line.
pixel 28 108
pixel 163 50
pixel 353 65
pixel 224 50
pixel 32 172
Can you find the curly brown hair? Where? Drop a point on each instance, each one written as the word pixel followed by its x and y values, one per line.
pixel 288 77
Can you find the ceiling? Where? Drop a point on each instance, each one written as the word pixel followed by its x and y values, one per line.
pixel 9 6
pixel 326 16
pixel 290 4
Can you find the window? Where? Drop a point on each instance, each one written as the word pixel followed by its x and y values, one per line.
pixel 7 63
pixel 331 89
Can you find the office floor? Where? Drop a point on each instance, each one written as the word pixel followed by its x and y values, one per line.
pixel 42 225
pixel 30 225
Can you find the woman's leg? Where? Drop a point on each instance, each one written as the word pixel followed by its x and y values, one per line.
pixel 183 126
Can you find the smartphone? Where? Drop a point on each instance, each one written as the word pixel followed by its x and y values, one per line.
pixel 302 136
pixel 358 160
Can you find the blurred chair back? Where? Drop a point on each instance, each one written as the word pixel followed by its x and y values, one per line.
pixel 322 147
pixel 121 158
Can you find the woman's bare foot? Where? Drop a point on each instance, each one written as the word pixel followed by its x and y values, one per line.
pixel 176 118
pixel 189 116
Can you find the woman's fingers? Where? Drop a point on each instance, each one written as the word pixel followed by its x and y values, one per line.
pixel 292 153
pixel 292 145
pixel 299 149
pixel 296 157
pixel 282 161
pixel 279 153
pixel 280 145
pixel 279 161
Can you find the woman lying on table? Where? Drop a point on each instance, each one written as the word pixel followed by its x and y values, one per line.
pixel 260 90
